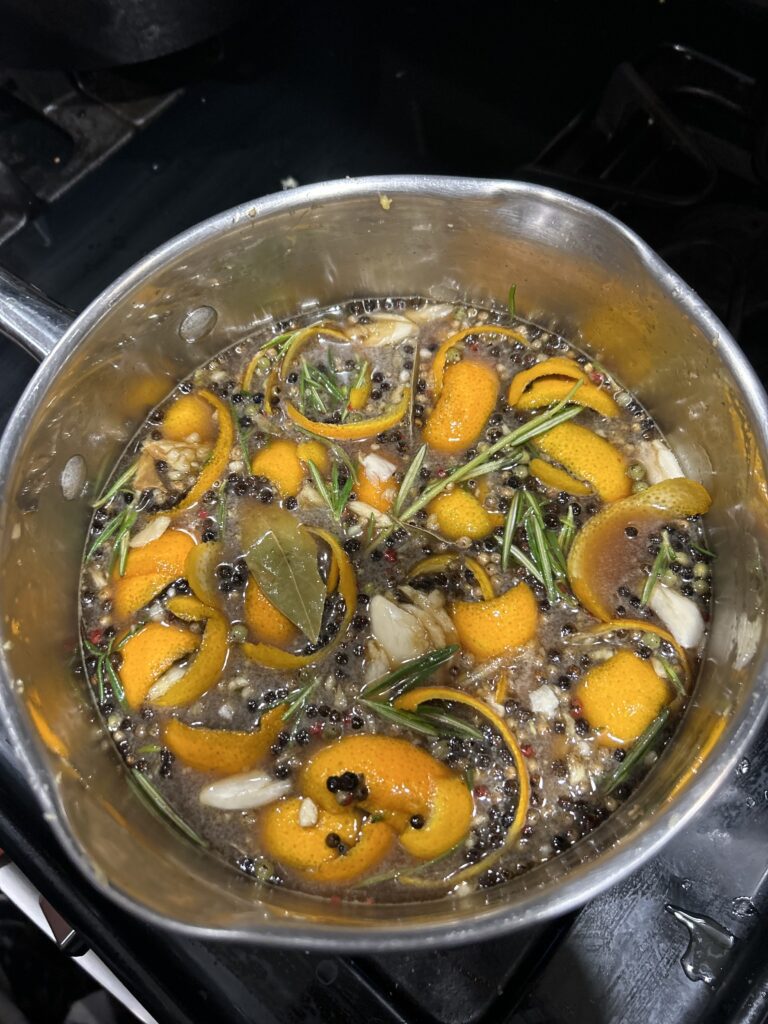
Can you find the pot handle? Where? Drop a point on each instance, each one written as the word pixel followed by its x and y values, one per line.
pixel 29 318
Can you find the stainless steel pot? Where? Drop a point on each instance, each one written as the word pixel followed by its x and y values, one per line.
pixel 451 239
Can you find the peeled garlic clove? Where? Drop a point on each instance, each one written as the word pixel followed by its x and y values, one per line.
pixel 155 528
pixel 377 469
pixel 166 680
pixel 364 512
pixel 308 813
pixel 243 792
pixel 376 661
pixel 679 614
pixel 428 313
pixel 544 700
pixel 659 461
pixel 400 634
pixel 384 329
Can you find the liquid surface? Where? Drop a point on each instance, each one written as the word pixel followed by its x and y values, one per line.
pixel 405 487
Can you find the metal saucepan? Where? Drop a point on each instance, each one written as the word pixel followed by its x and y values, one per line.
pixel 451 239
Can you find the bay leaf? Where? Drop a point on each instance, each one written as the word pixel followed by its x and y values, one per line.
pixel 283 559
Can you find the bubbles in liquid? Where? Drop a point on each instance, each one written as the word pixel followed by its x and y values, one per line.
pixel 742 907
pixel 708 946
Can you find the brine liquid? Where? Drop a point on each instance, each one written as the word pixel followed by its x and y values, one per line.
pixel 567 765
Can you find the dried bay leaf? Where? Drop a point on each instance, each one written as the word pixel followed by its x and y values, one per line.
pixel 283 559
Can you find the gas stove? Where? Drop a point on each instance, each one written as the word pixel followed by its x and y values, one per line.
pixel 660 120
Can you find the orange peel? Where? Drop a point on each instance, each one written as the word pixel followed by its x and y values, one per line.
pixel 439 359
pixel 489 628
pixel 589 457
pixel 468 397
pixel 439 563
pixel 130 593
pixel 460 514
pixel 621 697
pixel 167 555
pixel 218 460
pixel 360 392
pixel 222 751
pixel 266 623
pixel 189 415
pixel 557 366
pixel 314 451
pixel 634 625
pixel 379 494
pixel 415 698
pixel 399 776
pixel 207 666
pixel 148 654
pixel 549 390
pixel 200 571
pixel 279 462
pixel 356 430
pixel 601 551
pixel 551 476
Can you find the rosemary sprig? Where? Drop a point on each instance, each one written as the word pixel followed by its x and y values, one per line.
pixel 118 527
pixel 672 676
pixel 511 303
pixel 510 525
pixel 279 342
pixel 661 563
pixel 537 543
pixel 334 493
pixel 300 698
pixel 522 559
pixel 703 551
pixel 410 478
pixel 221 508
pixel 638 751
pixel 450 724
pixel 552 417
pixel 118 485
pixel 567 532
pixel 409 674
pixel 406 719
pixel 105 670
pixel 160 804
pixel 243 437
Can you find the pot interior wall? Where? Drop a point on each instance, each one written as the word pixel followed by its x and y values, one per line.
pixel 466 242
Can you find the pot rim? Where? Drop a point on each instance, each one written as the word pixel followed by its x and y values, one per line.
pixel 582 884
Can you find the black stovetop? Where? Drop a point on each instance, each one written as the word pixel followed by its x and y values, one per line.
pixel 674 140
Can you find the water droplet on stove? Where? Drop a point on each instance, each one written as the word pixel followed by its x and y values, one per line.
pixel 685 884
pixel 743 906
pixel 708 946
pixel 750 801
pixel 197 323
pixel 743 766
pixel 327 972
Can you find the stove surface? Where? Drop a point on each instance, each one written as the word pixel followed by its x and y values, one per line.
pixel 674 140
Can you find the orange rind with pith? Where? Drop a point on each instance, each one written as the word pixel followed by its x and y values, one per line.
pixel 189 415
pixel 279 462
pixel 266 623
pixel 468 397
pixel 489 628
pixel 620 698
pixel 588 457
pixel 460 514
pixel 218 460
pixel 551 476
pixel 205 670
pixel 549 390
pixel 557 366
pixel 602 554
pixel 221 750
pixel 150 653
